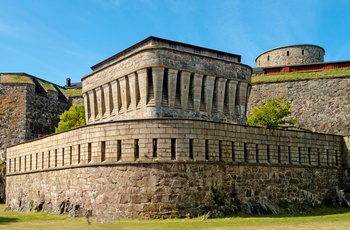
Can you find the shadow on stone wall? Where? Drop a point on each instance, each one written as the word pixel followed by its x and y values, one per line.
pixel 2 182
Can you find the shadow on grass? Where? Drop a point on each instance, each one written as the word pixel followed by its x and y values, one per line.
pixel 7 220
pixel 306 212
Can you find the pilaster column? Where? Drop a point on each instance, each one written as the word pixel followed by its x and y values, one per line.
pixel 87 107
pixel 185 86
pixel 172 80
pixel 92 103
pixel 231 96
pixel 116 96
pixel 125 93
pixel 158 74
pixel 99 97
pixel 209 90
pixel 220 94
pixel 134 90
pixel 107 99
pixel 242 98
pixel 197 92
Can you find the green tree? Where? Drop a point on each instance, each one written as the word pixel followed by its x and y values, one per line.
pixel 272 113
pixel 72 118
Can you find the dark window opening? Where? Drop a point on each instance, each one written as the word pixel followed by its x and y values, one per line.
pixel 150 94
pixel 89 152
pixel 173 149
pixel 136 149
pixel 207 150
pixel 155 143
pixel 62 156
pixel 119 150
pixel 220 151
pixel 268 154
pixel 48 159
pixel 70 155
pixel 245 152
pixel 191 149
pixel 287 53
pixel 103 151
pixel 257 153
pixel 79 159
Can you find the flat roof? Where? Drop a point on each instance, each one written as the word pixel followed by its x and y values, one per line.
pixel 170 45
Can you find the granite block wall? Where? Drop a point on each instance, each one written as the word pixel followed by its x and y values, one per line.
pixel 174 167
pixel 320 105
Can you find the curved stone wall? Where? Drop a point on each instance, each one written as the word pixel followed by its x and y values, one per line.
pixel 291 55
pixel 172 167
pixel 321 105
pixel 161 82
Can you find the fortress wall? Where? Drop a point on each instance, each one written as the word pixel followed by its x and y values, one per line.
pixel 171 167
pixel 26 114
pixel 12 114
pixel 321 105
pixel 43 112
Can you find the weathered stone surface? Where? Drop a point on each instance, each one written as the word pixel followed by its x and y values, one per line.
pixel 199 188
pixel 321 105
pixel 245 170
pixel 161 81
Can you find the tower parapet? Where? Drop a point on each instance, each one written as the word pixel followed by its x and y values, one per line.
pixel 161 78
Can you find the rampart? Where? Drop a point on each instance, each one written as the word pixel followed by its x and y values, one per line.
pixel 321 105
pixel 173 167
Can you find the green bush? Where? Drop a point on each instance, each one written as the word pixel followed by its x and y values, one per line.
pixel 72 118
pixel 272 113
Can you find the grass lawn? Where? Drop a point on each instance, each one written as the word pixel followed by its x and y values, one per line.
pixel 296 76
pixel 320 220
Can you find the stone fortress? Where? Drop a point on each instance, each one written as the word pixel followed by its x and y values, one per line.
pixel 166 138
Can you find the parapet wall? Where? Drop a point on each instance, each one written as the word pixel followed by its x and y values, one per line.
pixel 171 167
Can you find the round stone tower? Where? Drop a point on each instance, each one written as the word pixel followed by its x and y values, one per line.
pixel 291 55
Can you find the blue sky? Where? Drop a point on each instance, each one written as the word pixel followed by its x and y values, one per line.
pixel 56 39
